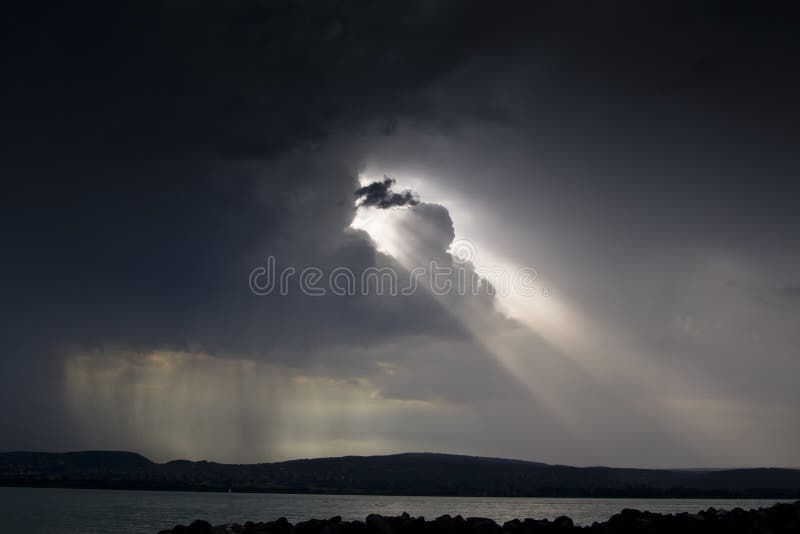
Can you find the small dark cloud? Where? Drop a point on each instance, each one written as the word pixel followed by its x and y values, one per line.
pixel 380 195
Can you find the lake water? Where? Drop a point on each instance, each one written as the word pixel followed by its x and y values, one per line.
pixel 73 511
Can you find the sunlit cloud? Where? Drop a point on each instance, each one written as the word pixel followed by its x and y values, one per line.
pixel 569 362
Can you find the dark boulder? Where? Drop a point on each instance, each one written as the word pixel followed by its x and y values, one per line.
pixel 197 527
pixel 315 526
pixel 563 522
pixel 396 525
pixel 778 519
pixel 482 525
pixel 447 524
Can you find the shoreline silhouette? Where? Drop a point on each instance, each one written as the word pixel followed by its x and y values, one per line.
pixel 422 474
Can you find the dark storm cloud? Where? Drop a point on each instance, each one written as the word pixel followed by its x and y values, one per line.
pixel 380 195
pixel 124 125
pixel 247 79
pixel 136 138
pixel 127 217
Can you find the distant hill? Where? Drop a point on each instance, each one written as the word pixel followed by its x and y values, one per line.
pixel 397 474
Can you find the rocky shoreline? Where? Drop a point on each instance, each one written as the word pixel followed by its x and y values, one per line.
pixel 782 518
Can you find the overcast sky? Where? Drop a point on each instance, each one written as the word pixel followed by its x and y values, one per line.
pixel 637 161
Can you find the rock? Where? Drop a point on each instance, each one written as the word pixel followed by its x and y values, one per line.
pixel 313 526
pixel 344 527
pixel 280 526
pixel 336 528
pixel 413 524
pixel 482 525
pixel 380 523
pixel 197 527
pixel 535 524
pixel 563 522
pixel 445 523
pixel 781 518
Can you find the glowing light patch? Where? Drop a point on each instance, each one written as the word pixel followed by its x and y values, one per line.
pixel 196 405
